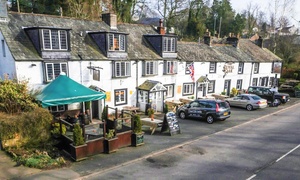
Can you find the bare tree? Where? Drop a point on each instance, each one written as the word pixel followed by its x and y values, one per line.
pixel 169 9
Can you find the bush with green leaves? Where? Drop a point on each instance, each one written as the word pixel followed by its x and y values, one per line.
pixel 33 128
pixel 56 129
pixel 15 97
pixel 77 135
pixel 137 126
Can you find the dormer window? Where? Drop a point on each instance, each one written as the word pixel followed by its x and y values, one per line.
pixel 169 44
pixel 116 42
pixel 54 39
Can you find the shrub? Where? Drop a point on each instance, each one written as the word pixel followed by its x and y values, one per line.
pixel 110 134
pixel 56 129
pixel 297 88
pixel 137 126
pixel 14 97
pixel 32 128
pixel 234 91
pixel 77 135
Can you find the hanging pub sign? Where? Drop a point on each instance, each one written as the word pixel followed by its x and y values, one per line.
pixel 170 124
pixel 277 67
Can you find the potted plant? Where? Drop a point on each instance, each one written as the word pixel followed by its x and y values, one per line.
pixel 137 138
pixel 110 141
pixel 78 148
pixel 151 113
pixel 234 92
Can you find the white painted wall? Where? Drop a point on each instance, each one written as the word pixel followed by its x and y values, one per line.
pixel 7 63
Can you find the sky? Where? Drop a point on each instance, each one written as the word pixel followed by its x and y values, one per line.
pixel 240 5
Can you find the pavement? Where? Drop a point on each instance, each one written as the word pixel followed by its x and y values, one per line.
pixel 154 144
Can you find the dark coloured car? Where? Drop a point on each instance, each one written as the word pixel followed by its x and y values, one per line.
pixel 207 109
pixel 268 94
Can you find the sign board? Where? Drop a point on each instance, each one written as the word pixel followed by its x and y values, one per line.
pixel 171 123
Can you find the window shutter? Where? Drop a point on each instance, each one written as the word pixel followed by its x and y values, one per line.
pixel 143 68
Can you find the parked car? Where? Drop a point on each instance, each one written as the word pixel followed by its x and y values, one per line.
pixel 248 101
pixel 207 109
pixel 268 94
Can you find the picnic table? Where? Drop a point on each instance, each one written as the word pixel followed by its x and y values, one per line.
pixel 153 124
pixel 132 109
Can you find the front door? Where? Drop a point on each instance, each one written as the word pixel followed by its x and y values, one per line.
pixel 157 100
pixel 227 87
pixel 201 90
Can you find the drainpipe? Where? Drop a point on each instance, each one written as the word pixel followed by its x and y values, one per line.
pixel 251 73
pixel 137 82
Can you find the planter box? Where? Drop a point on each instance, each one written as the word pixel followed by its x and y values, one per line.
pixel 111 145
pixel 124 139
pixel 137 139
pixel 78 153
pixel 95 146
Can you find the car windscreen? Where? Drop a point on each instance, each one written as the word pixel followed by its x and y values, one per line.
pixel 256 97
pixel 223 104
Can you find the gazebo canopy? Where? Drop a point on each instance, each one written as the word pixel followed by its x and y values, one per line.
pixel 63 90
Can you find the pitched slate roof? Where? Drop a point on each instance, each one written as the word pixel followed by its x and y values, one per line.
pixel 138 48
pixel 246 52
pixel 22 49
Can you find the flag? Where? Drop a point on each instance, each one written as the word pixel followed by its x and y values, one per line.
pixel 191 69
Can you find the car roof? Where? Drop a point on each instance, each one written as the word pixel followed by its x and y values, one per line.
pixel 248 95
pixel 259 87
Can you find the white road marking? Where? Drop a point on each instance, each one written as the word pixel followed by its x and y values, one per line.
pixel 287 153
pixel 254 175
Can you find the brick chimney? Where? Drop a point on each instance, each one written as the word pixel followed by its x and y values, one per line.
pixel 207 38
pixel 233 40
pixel 110 19
pixel 160 28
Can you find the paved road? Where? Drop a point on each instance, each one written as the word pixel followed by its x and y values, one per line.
pixel 263 148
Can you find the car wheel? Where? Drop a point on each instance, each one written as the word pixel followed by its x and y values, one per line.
pixel 182 115
pixel 209 119
pixel 277 101
pixel 249 107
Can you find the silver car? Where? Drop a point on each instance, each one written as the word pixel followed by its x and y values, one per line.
pixel 248 101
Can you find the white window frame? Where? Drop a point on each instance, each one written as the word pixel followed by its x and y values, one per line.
pixel 120 96
pixel 116 42
pixel 256 68
pixel 122 69
pixel 53 70
pixel 211 86
pixel 188 88
pixel 170 67
pixel 53 41
pixel 170 90
pixel 241 68
pixel 239 84
pixel 59 108
pixel 151 68
pixel 169 44
pixel 254 81
pixel 212 67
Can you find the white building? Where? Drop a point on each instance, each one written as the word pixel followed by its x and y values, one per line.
pixel 134 64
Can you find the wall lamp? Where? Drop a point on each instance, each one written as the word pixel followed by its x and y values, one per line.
pixel 33 65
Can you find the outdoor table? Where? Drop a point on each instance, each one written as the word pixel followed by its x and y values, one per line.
pixel 132 109
pixel 153 124
pixel 174 104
